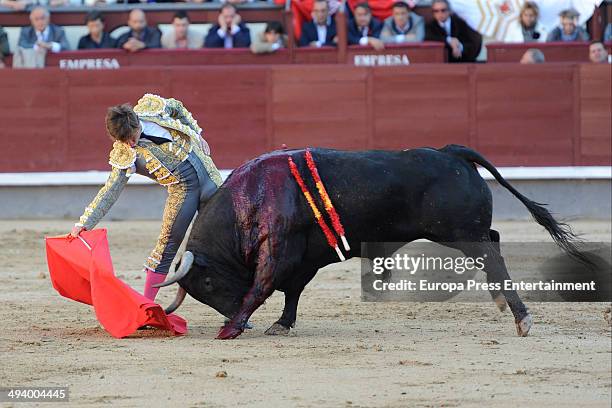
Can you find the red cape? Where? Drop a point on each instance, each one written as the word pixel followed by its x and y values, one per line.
pixel 81 269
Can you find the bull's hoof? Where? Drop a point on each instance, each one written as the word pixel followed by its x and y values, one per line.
pixel 522 327
pixel 500 302
pixel 229 332
pixel 277 329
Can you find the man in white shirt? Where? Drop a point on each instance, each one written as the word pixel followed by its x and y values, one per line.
pixel 42 36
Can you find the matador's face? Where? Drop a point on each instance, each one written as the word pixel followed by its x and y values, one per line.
pixel 135 136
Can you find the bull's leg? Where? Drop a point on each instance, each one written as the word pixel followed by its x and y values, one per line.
pixel 497 295
pixel 259 292
pixel 292 296
pixel 272 261
pixel 496 271
pixel 287 320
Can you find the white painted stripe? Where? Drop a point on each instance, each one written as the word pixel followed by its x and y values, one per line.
pixel 72 178
pixel 95 178
pixel 551 173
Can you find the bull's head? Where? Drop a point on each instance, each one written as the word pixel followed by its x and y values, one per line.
pixel 215 286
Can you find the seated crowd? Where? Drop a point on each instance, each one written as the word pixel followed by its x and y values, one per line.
pixel 463 44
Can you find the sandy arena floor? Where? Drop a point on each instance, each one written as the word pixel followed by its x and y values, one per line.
pixel 342 353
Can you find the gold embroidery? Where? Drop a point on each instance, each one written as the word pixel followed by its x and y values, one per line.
pixel 122 156
pixel 176 198
pixel 156 168
pixel 150 105
pixel 105 198
pixel 178 110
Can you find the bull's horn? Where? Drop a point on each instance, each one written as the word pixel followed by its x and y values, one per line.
pixel 186 262
pixel 180 296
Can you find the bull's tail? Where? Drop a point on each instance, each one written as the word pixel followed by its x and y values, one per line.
pixel 560 232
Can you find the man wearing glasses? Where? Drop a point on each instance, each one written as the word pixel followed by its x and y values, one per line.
pixel 462 42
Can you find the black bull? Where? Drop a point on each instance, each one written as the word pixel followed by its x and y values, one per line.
pixel 257 234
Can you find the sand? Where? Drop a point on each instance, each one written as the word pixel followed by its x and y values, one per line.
pixel 343 352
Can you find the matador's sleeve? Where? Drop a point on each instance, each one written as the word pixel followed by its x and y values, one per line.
pixel 176 110
pixel 122 159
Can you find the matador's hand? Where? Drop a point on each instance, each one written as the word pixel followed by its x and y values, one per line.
pixel 76 230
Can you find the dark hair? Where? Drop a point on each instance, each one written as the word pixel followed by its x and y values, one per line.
pixel 274 27
pixel 597 42
pixel 226 6
pixel 93 16
pixel 441 1
pixel 181 14
pixel 401 4
pixel 364 6
pixel 121 122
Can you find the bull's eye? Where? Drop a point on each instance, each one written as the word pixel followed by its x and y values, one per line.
pixel 207 284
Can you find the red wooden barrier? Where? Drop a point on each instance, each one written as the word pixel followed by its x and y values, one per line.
pixel 554 52
pixel 427 52
pixel 556 114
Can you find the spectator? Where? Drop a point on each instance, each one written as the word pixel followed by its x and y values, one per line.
pixel 527 29
pixel 403 25
pixel 569 29
pixel 608 33
pixel 230 31
pixel 533 56
pixel 17 5
pixel 321 31
pixel 140 35
pixel 4 46
pixel 598 53
pixel 272 39
pixel 181 36
pixel 60 3
pixel 41 35
pixel 97 37
pixel 462 42
pixel 364 29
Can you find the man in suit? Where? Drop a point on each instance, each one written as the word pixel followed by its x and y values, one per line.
pixel 230 31
pixel 462 42
pixel 364 29
pixel 4 46
pixel 97 37
pixel 140 35
pixel 42 36
pixel 403 26
pixel 181 36
pixel 321 31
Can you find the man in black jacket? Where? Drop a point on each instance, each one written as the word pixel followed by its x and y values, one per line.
pixel 321 31
pixel 229 32
pixel 140 36
pixel 363 29
pixel 97 37
pixel 4 46
pixel 462 42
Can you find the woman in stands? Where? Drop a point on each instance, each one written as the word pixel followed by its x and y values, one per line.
pixel 160 139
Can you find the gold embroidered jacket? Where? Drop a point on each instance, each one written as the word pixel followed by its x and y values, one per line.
pixel 158 162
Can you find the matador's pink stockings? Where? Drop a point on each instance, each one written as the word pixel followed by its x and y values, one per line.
pixel 152 279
